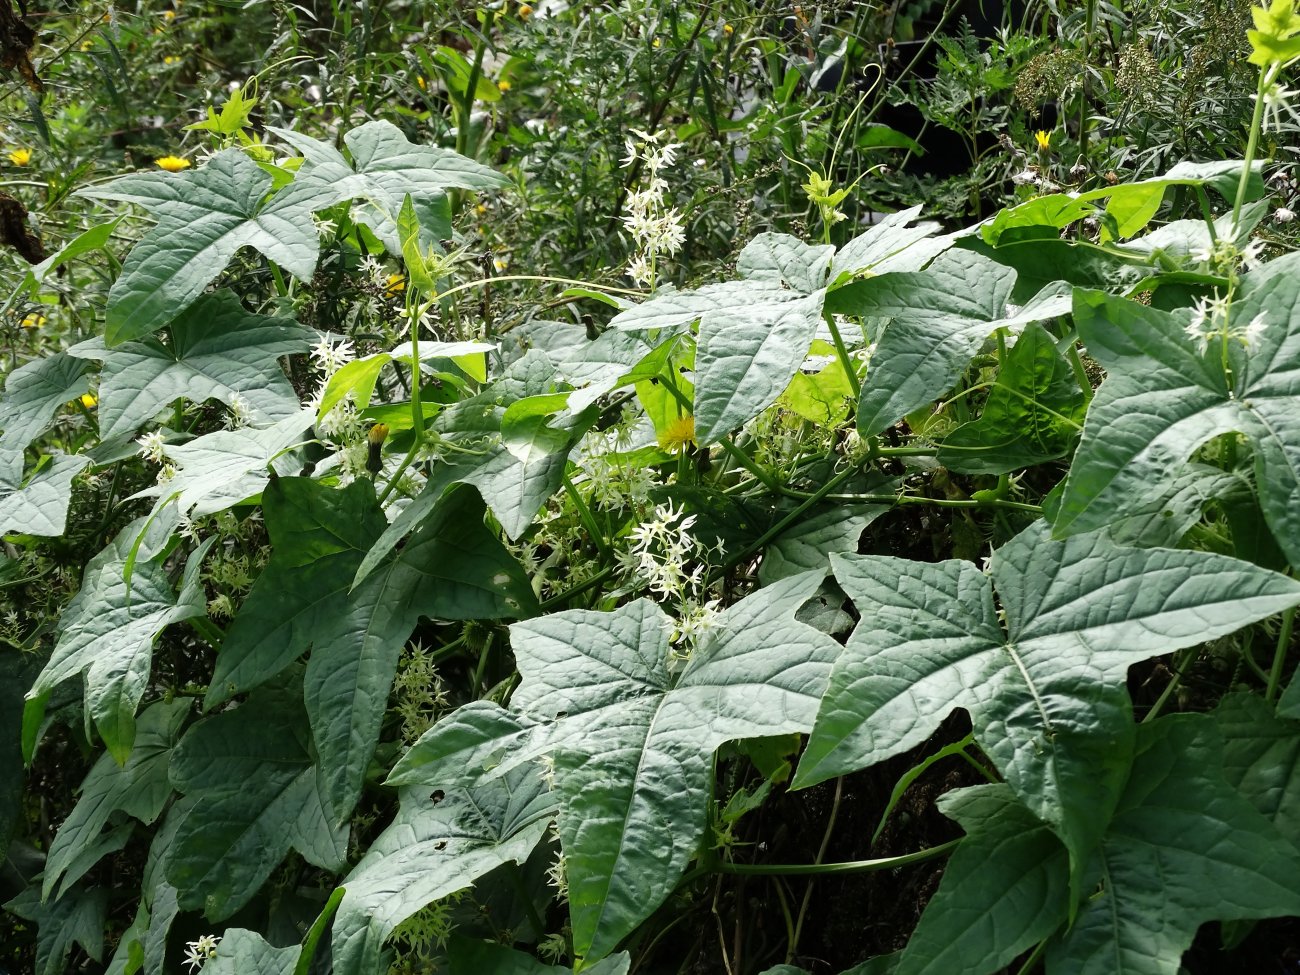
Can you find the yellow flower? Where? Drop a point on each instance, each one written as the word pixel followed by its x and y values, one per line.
pixel 169 15
pixel 20 157
pixel 480 208
pixel 728 29
pixel 171 59
pixel 525 11
pixel 88 400
pixel 173 164
pixel 34 320
pixel 503 85
pixel 1044 139
pixel 656 42
pixel 678 434
pixel 396 284
pixel 87 45
pixel 419 80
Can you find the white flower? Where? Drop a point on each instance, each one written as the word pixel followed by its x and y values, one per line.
pixel 198 952
pixel 329 356
pixel 152 446
pixel 239 412
pixel 1283 214
pixel 1250 254
pixel 1026 177
pixel 1253 331
pixel 638 269
pixel 1277 102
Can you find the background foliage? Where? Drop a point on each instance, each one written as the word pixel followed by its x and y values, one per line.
pixel 649 487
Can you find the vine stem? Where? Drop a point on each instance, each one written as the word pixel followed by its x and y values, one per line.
pixel 1279 655
pixel 851 866
pixel 1252 143
pixel 842 351
pixel 821 855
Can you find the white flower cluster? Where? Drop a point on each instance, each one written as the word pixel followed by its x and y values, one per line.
pixel 655 228
pixel 609 481
pixel 1211 319
pixel 198 952
pixel 658 557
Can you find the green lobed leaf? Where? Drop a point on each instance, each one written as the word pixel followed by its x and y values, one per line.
pixel 76 918
pixel 40 505
pixel 1046 694
pixel 251 793
pixel 242 952
pixel 1033 412
pixel 226 467
pixel 941 316
pixel 1163 398
pixel 33 393
pixel 384 169
pixel 1261 759
pixel 438 844
pixel 107 630
pixel 1184 848
pixel 1004 889
pixel 204 217
pixel 218 350
pixel 890 245
pixel 807 544
pixel 631 741
pixel 452 567
pixel 139 788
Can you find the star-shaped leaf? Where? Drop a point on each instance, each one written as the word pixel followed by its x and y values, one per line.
pixel 107 631
pixel 139 788
pixel 1183 848
pixel 1033 412
pixel 939 319
pixel 384 169
pixel 1164 396
pixel 1046 693
pixel 33 392
pixel 251 792
pixel 438 844
pixel 452 567
pixel 754 333
pixel 39 506
pixel 225 467
pixel 217 351
pixel 631 740
pixel 204 216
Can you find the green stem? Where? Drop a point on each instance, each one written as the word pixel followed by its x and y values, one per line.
pixel 852 866
pixel 1033 958
pixel 787 521
pixel 821 855
pixel 1080 373
pixel 584 513
pixel 1184 661
pixel 1252 143
pixel 563 597
pixel 1279 655
pixel 208 630
pixel 911 499
pixel 747 462
pixel 842 351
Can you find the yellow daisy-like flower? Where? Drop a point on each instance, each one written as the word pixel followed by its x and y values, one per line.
pixel 34 320
pixel 20 157
pixel 173 164
pixel 1044 139
pixel 88 400
pixel 395 284
pixel 503 85
pixel 171 59
pixel 678 435
pixel 525 11
pixel 728 29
